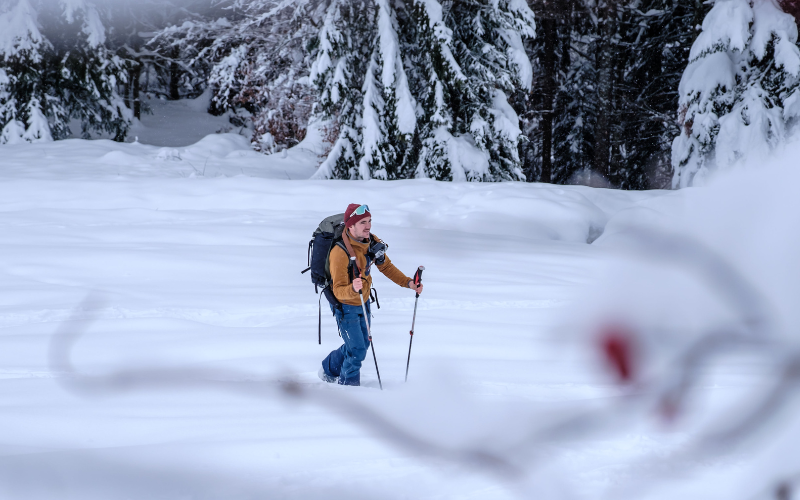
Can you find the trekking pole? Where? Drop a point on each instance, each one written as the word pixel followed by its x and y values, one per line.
pixel 417 281
pixel 369 332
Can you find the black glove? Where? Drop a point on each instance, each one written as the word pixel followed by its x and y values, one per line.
pixel 378 252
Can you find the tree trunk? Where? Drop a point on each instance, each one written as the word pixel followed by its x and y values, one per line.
pixel 136 73
pixel 126 96
pixel 174 77
pixel 550 39
pixel 699 15
pixel 605 60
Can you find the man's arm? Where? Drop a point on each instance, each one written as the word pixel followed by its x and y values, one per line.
pixel 390 271
pixel 342 288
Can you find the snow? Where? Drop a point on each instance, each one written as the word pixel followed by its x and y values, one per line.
pixel 214 156
pixel 762 131
pixel 466 159
pixel 525 25
pixel 433 9
pixel 191 255
pixel 202 271
pixel 341 148
pixel 519 57
pixel 728 23
pixel 177 123
pixel 726 114
pixel 506 121
pixel 707 76
pixel 771 22
pixel 38 129
pixel 13 133
pixel 370 121
pixel 19 30
pixel 327 34
pixel 392 71
pixel 92 24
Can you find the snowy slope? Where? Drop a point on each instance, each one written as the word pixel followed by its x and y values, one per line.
pixel 216 155
pixel 198 272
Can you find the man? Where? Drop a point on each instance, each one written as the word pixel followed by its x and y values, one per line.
pixel 344 363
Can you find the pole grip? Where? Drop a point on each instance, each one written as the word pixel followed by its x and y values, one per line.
pixel 418 276
pixel 350 270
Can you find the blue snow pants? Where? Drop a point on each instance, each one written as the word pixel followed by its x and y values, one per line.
pixel 345 362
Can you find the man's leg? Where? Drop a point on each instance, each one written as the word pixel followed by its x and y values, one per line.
pixel 332 364
pixel 355 344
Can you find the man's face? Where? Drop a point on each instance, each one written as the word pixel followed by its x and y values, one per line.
pixel 360 230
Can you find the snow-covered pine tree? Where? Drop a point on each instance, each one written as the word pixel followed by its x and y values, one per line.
pixel 90 71
pixel 397 93
pixel 179 55
pixel 461 61
pixel 344 56
pixel 23 103
pixel 439 81
pixel 374 123
pixel 389 118
pixel 54 66
pixel 487 45
pixel 739 91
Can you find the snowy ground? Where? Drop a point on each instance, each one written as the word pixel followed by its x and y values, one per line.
pixel 179 123
pixel 193 254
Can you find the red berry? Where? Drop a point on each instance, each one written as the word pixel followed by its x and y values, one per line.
pixel 616 343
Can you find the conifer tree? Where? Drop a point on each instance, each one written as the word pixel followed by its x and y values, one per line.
pixel 487 38
pixel 339 72
pixel 739 91
pixel 23 95
pixel 451 115
pixel 389 118
pixel 439 79
pixel 55 66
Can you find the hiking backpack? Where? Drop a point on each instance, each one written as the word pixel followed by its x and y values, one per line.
pixel 328 233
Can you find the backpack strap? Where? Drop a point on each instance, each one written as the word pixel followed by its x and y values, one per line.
pixel 319 327
pixel 349 251
pixel 339 243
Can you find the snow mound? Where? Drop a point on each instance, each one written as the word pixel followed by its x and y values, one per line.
pixel 118 158
pixel 213 156
pixel 218 146
pixel 168 154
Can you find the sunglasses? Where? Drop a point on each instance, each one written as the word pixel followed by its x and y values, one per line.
pixel 360 210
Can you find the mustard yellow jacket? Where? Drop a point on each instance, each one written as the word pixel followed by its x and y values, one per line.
pixel 342 288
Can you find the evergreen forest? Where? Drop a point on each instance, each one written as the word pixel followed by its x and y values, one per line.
pixel 629 94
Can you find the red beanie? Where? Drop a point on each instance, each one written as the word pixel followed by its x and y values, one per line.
pixel 351 218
